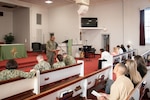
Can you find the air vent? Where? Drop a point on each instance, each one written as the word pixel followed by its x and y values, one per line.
pixel 8 6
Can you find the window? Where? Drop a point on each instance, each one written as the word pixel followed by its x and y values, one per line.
pixel 147 26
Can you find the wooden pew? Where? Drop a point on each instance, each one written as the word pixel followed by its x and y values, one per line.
pixel 77 89
pixel 138 92
pixel 18 85
pixel 58 74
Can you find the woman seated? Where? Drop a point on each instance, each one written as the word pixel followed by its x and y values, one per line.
pixel 115 51
pixel 141 66
pixel 132 72
pixel 60 62
pixel 12 72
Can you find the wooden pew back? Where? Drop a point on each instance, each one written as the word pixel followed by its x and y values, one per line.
pixel 78 87
pixel 57 74
pixel 18 85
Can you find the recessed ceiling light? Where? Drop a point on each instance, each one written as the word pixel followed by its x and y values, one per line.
pixel 48 1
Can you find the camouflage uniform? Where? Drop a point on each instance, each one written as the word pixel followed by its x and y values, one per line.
pixel 42 66
pixel 51 45
pixel 13 73
pixel 59 64
pixel 69 60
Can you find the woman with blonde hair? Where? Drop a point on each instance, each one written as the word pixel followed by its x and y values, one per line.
pixel 115 51
pixel 132 72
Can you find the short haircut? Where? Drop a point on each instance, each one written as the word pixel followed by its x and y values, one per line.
pixel 39 57
pixel 60 57
pixel 102 50
pixel 118 46
pixel 122 68
pixel 11 64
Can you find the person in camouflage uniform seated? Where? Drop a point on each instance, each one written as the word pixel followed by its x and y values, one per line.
pixel 42 65
pixel 60 62
pixel 12 72
pixel 68 59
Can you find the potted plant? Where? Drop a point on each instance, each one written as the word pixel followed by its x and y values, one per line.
pixel 9 38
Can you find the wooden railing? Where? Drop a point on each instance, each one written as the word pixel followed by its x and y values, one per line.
pixel 122 57
pixel 75 88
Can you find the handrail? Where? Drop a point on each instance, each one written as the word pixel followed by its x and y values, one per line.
pixel 35 97
pixel 125 53
pixel 51 70
pixel 148 51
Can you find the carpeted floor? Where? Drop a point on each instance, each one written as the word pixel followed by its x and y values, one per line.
pixel 25 64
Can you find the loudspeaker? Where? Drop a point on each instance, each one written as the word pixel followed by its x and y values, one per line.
pixel 1 13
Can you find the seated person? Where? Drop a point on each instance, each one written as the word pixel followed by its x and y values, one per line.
pixel 60 62
pixel 121 87
pixel 141 66
pixel 105 55
pixel 120 51
pixel 42 65
pixel 68 59
pixel 115 51
pixel 129 48
pixel 12 72
pixel 123 48
pixel 132 72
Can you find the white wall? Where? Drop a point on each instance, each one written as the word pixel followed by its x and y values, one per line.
pixel 21 28
pixel 131 23
pixel 109 14
pixel 64 22
pixel 120 17
pixel 36 28
pixel 6 23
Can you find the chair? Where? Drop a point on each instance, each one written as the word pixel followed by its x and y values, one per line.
pixel 36 47
pixel 92 52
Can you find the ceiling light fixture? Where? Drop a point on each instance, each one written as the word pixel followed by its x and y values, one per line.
pixel 48 1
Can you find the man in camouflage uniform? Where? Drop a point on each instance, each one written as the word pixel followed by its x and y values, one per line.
pixel 12 72
pixel 60 62
pixel 51 47
pixel 42 65
pixel 69 60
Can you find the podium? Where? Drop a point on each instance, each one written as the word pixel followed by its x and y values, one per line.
pixel 69 46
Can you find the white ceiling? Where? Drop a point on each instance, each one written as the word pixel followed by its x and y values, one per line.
pixel 42 2
pixel 55 2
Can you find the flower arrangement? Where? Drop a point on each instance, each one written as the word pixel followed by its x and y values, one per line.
pixel 9 38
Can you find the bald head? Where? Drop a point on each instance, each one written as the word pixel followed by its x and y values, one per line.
pixel 120 69
pixel 39 58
